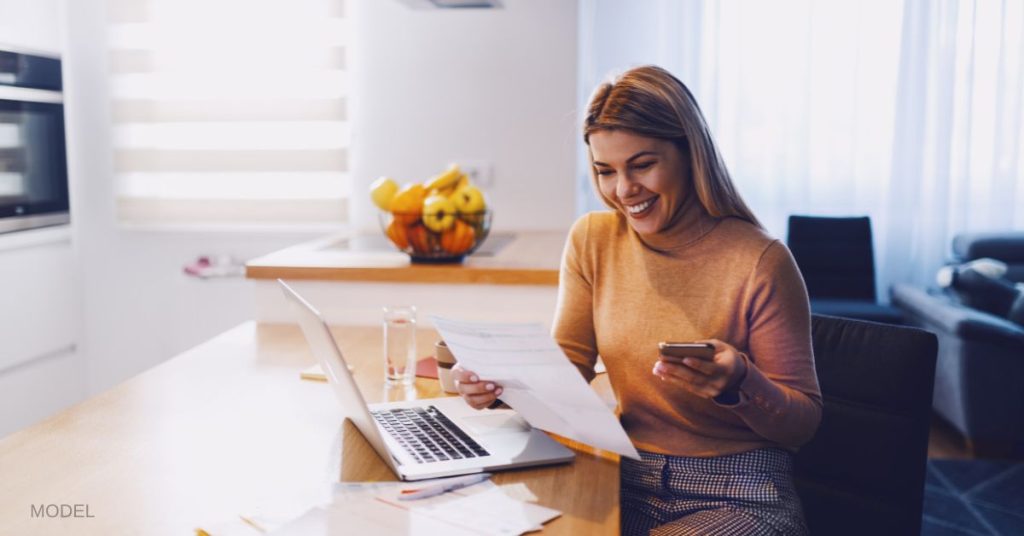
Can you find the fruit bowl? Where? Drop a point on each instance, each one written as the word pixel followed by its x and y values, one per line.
pixel 451 244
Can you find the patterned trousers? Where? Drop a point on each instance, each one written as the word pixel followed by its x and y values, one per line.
pixel 750 493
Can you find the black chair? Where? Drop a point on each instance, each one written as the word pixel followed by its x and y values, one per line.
pixel 864 471
pixel 836 258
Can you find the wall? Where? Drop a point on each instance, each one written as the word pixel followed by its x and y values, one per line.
pixel 442 85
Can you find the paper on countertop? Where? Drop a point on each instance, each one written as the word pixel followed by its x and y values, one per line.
pixel 373 507
pixel 537 380
pixel 519 492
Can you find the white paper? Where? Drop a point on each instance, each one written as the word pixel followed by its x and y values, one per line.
pixel 537 380
pixel 519 492
pixel 374 508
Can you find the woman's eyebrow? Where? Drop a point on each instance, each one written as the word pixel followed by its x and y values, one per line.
pixel 630 159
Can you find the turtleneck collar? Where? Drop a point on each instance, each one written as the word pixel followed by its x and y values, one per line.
pixel 689 223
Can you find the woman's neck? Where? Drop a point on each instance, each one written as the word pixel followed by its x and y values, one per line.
pixel 689 224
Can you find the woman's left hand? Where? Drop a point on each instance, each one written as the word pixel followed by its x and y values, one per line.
pixel 703 378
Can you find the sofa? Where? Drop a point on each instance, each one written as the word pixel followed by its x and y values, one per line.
pixel 979 377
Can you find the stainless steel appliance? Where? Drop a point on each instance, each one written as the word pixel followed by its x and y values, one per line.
pixel 33 161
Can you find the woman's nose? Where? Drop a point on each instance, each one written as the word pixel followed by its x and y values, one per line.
pixel 626 188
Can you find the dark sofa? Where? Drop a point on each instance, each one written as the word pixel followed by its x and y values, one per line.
pixel 979 377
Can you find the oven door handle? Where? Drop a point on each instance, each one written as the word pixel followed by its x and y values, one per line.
pixel 25 94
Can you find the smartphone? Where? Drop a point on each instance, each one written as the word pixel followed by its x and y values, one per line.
pixel 676 351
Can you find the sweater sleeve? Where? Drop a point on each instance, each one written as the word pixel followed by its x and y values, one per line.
pixel 573 328
pixel 779 397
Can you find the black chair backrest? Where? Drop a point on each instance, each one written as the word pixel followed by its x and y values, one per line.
pixel 835 256
pixel 864 471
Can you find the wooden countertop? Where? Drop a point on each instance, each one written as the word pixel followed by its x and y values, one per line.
pixel 227 428
pixel 524 258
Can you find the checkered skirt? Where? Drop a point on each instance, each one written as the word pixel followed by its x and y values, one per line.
pixel 750 493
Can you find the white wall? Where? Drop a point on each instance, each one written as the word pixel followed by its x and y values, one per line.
pixel 435 86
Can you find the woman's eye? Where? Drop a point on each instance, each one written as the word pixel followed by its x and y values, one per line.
pixel 601 171
pixel 643 165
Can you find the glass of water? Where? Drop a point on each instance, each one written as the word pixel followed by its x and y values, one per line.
pixel 399 344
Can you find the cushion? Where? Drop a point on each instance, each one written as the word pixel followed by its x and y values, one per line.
pixel 979 291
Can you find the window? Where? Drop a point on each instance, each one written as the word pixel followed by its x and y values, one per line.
pixel 229 111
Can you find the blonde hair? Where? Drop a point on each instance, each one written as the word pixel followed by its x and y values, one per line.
pixel 649 101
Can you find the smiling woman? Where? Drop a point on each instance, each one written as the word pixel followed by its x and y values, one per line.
pixel 682 258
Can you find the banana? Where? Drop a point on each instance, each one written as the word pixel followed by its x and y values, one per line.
pixel 445 180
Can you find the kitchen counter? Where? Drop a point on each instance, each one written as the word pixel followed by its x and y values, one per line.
pixel 523 258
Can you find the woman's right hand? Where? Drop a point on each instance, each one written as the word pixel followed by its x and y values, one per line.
pixel 477 393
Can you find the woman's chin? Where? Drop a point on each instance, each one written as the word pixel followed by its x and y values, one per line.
pixel 646 226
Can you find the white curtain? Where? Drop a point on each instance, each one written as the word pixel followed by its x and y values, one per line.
pixel 230 112
pixel 906 112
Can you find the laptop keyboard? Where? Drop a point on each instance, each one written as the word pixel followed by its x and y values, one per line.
pixel 428 435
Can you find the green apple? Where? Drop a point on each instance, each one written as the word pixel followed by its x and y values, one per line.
pixel 438 213
pixel 469 200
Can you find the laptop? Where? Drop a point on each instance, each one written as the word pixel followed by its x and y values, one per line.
pixel 431 437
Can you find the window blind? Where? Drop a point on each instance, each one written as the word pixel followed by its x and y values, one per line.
pixel 229 111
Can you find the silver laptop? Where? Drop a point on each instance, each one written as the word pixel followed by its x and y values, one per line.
pixel 431 437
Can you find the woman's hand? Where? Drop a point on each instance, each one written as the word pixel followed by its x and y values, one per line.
pixel 707 379
pixel 476 392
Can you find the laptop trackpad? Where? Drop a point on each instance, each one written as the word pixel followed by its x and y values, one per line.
pixel 496 422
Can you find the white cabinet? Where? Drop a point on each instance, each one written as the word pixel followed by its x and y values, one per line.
pixel 38 308
pixel 40 370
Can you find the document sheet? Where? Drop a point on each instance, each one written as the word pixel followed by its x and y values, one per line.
pixel 374 508
pixel 537 380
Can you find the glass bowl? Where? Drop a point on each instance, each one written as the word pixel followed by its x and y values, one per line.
pixel 463 236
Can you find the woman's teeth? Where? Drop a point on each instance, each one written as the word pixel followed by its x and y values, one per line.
pixel 636 209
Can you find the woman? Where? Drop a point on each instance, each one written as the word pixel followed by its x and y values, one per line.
pixel 682 258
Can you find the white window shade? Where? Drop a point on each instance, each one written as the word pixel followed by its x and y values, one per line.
pixel 229 111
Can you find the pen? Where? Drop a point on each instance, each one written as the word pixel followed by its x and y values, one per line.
pixel 441 487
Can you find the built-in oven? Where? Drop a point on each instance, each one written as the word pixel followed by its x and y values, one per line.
pixel 33 160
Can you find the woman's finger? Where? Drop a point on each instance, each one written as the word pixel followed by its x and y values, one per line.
pixel 477 388
pixel 708 368
pixel 680 372
pixel 464 376
pixel 483 400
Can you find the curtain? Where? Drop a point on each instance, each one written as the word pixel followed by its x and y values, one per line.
pixel 229 112
pixel 908 112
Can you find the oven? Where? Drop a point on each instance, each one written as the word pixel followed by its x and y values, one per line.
pixel 33 160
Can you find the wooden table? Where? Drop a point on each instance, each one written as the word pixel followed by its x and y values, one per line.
pixel 525 258
pixel 227 428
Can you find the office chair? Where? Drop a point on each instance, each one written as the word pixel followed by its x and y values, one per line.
pixel 864 470
pixel 836 258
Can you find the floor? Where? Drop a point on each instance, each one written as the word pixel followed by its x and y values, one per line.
pixel 945 443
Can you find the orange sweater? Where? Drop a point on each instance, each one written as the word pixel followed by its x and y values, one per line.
pixel 620 293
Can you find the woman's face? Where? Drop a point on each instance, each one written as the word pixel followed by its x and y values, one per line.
pixel 644 178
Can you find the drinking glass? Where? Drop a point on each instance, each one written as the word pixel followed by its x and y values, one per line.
pixel 399 344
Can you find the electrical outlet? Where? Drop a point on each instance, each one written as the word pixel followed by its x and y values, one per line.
pixel 480 172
